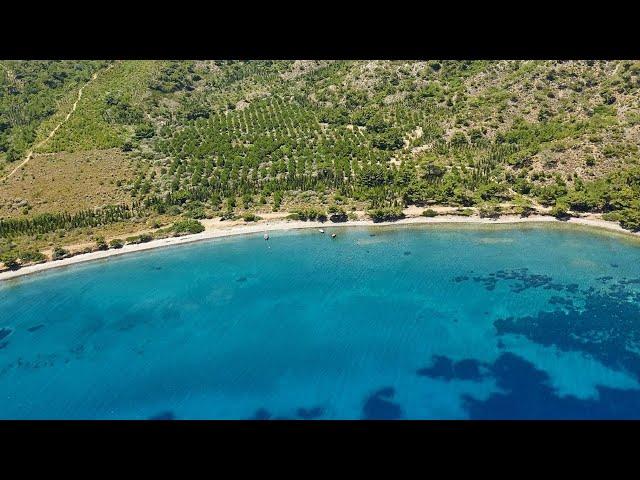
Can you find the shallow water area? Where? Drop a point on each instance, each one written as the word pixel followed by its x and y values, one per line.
pixel 438 322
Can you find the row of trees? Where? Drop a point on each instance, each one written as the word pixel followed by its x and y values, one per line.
pixel 50 222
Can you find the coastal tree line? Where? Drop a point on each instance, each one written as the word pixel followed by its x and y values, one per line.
pixel 50 222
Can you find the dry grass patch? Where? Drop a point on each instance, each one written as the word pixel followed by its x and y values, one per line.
pixel 67 182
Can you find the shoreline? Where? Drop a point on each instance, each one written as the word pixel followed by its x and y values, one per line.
pixel 286 225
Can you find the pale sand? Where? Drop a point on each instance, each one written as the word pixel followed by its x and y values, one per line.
pixel 220 229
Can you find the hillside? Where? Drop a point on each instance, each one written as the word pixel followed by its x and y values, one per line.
pixel 167 140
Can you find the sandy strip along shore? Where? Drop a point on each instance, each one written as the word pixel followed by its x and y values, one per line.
pixel 220 230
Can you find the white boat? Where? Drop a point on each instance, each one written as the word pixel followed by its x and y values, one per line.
pixel 333 235
pixel 321 230
pixel 266 236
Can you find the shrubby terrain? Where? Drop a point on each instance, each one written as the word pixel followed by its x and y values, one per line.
pixel 198 139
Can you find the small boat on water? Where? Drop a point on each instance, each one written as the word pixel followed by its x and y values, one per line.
pixel 266 236
pixel 321 230
pixel 333 235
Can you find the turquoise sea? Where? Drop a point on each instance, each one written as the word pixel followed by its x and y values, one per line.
pixel 424 322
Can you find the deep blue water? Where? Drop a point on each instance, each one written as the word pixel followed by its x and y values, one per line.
pixel 407 322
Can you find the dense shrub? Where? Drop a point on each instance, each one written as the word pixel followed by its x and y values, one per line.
pixel 116 243
pixel 101 244
pixel 59 253
pixel 309 213
pixel 10 261
pixel 250 217
pixel 143 238
pixel 547 195
pixel 490 210
pixel 197 212
pixel 188 226
pixel 388 140
pixel 339 217
pixel 429 213
pixel 464 212
pixel 630 219
pixel 611 216
pixel 144 130
pixel 32 256
pixel 523 210
pixel 385 214
pixel 337 214
pixel 560 211
pixel 174 210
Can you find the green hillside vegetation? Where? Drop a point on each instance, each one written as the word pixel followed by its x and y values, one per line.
pixel 392 133
pixel 30 93
pixel 110 112
pixel 240 138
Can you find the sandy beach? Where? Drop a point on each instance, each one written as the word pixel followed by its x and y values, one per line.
pixel 217 229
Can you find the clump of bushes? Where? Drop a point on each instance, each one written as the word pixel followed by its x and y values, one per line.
pixel 116 243
pixel 10 261
pixel 523 210
pixel 32 256
pixel 143 238
pixel 174 210
pixel 385 214
pixel 197 212
pixel 251 217
pixel 101 244
pixel 464 212
pixel 309 213
pixel 611 216
pixel 490 210
pixel 560 211
pixel 630 219
pixel 339 217
pixel 429 213
pixel 188 226
pixel 59 253
pixel 337 214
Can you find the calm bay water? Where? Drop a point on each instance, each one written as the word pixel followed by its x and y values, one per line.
pixel 411 322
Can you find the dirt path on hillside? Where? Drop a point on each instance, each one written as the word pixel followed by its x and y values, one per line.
pixel 52 132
